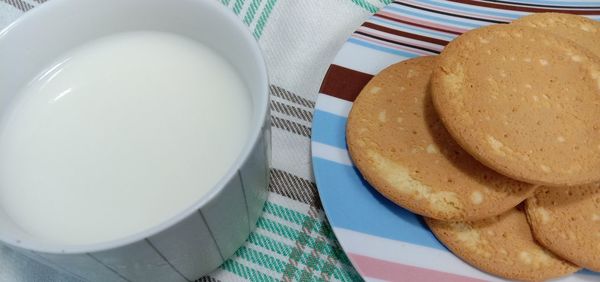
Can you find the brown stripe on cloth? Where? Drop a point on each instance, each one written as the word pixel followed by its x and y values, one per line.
pixel 344 83
pixel 207 279
pixel 285 94
pixel 294 187
pixel 290 126
pixel 19 4
pixel 405 34
pixel 517 7
pixel 291 111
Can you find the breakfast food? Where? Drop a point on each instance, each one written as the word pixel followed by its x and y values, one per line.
pixel 456 138
pixel 501 245
pixel 523 102
pixel 398 143
pixel 567 222
pixel 581 30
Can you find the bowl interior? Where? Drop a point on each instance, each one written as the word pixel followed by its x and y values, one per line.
pixel 44 34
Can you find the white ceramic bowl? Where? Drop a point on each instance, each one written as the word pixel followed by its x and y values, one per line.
pixel 201 236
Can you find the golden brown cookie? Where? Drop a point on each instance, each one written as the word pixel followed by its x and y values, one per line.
pixel 523 102
pixel 567 222
pixel 398 143
pixel 501 245
pixel 581 30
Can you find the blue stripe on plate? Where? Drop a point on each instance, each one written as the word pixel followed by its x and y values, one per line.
pixel 413 29
pixel 559 3
pixel 481 11
pixel 361 204
pixel 589 272
pixel 448 20
pixel 351 203
pixel 380 48
pixel 330 129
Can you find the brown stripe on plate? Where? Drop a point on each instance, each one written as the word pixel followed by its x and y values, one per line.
pixel 516 7
pixel 542 5
pixel 363 32
pixel 408 22
pixel 448 13
pixel 406 34
pixel 344 83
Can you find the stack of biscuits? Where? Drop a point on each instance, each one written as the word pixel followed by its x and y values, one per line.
pixel 496 143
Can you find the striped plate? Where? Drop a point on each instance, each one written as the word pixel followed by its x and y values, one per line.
pixel 384 241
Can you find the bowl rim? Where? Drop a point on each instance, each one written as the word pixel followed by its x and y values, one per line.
pixel 261 112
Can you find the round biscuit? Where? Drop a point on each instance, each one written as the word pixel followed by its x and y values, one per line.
pixel 501 245
pixel 567 222
pixel 581 30
pixel 523 102
pixel 402 149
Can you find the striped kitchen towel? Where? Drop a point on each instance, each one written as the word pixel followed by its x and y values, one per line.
pixel 293 241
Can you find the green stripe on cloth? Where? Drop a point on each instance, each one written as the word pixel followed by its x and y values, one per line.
pixel 266 261
pixel 366 5
pixel 225 2
pixel 298 218
pixel 302 240
pixel 294 235
pixel 264 16
pixel 318 245
pixel 251 11
pixel 310 258
pixel 246 272
pixel 325 267
pixel 261 259
pixel 282 249
pixel 285 213
pixel 270 244
pixel 237 7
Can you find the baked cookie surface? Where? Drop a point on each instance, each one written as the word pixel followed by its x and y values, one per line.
pixel 581 30
pixel 501 245
pixel 523 102
pixel 567 222
pixel 402 149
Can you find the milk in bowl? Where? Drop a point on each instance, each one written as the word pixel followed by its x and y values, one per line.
pixel 119 135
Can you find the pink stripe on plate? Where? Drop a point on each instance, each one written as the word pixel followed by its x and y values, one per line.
pixel 400 39
pixel 391 271
pixel 458 12
pixel 392 46
pixel 422 22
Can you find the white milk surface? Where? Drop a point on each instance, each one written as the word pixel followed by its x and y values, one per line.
pixel 119 135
